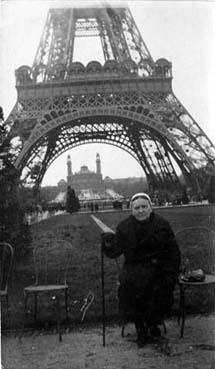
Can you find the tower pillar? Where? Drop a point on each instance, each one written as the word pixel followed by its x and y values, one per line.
pixel 69 170
pixel 98 164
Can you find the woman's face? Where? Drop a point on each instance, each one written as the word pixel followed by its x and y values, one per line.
pixel 141 209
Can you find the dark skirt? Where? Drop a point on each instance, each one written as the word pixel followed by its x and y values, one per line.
pixel 145 294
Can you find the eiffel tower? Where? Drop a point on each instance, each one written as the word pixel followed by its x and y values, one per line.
pixel 127 101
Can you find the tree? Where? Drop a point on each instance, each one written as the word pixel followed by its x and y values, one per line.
pixel 13 226
pixel 211 192
pixel 184 198
pixel 72 201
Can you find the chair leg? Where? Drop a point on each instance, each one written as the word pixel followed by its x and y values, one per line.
pixel 58 319
pixel 66 303
pixel 179 317
pixel 164 327
pixel 35 307
pixel 25 310
pixel 182 311
pixel 7 306
pixel 123 330
pixel 180 307
pixel 25 303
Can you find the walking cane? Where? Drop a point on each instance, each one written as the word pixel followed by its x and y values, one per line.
pixel 104 229
pixel 103 292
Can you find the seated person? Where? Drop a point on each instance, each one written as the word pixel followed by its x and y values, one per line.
pixel 151 266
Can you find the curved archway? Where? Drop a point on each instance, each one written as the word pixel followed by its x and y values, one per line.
pixel 112 158
pixel 87 142
pixel 149 121
pixel 143 136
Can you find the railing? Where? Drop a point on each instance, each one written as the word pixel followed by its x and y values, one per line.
pixel 25 75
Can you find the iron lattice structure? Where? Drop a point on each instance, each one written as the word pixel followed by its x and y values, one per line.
pixel 127 101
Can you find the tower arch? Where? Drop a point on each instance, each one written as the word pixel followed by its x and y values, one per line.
pixel 146 139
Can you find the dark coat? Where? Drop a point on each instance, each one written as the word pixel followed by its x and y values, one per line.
pixel 151 265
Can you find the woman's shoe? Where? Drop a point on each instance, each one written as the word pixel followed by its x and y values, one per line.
pixel 142 336
pixel 155 331
pixel 141 341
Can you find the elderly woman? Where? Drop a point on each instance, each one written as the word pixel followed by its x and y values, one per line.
pixel 151 266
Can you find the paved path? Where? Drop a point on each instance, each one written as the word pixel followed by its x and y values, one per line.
pixel 82 349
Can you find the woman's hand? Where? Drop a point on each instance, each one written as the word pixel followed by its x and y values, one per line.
pixel 108 240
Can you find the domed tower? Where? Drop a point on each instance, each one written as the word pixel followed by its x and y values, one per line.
pixel 69 170
pixel 98 164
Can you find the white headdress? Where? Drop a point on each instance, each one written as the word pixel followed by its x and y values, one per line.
pixel 141 195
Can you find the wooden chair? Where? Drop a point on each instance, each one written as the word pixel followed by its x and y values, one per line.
pixel 51 260
pixel 6 259
pixel 197 244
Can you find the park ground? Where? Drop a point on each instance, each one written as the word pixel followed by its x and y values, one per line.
pixel 82 348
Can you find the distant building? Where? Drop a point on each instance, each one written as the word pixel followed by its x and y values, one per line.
pixel 85 178
pixel 62 185
pixel 91 186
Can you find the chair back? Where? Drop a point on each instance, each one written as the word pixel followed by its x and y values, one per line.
pixel 197 244
pixel 52 259
pixel 6 259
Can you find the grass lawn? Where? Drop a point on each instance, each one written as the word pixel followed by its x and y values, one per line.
pixel 84 273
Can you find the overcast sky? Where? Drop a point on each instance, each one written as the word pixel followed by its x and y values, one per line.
pixel 180 31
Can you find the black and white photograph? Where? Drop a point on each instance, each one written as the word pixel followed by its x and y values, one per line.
pixel 107 184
